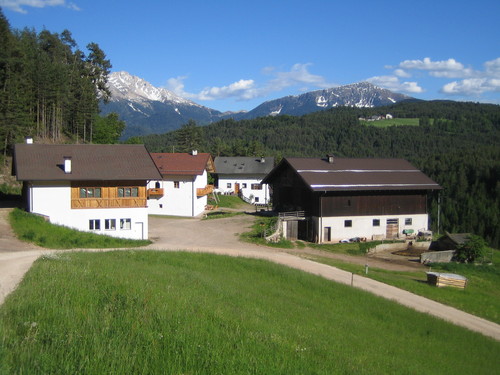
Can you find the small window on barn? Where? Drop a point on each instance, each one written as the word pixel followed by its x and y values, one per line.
pixel 376 222
pixel 125 224
pixel 347 223
pixel 228 185
pixel 95 224
pixel 408 221
pixel 244 185
pixel 256 187
pixel 177 184
pixel 110 224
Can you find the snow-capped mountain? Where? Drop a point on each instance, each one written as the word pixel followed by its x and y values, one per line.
pixel 147 109
pixel 360 95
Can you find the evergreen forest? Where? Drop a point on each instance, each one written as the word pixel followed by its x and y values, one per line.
pixel 50 89
pixel 457 144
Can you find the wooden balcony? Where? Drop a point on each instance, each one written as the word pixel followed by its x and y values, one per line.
pixel 108 202
pixel 200 192
pixel 155 193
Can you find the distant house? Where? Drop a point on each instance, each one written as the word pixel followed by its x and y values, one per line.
pixel 94 188
pixel 332 199
pixel 182 189
pixel 243 176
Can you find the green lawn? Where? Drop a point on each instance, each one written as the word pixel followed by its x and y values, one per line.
pixel 481 296
pixel 35 229
pixel 227 201
pixel 393 122
pixel 183 313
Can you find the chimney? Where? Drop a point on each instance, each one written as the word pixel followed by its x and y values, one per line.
pixel 329 158
pixel 29 140
pixel 194 152
pixel 67 164
pixel 262 159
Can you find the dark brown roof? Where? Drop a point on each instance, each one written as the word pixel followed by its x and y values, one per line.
pixel 182 163
pixel 359 174
pixel 39 162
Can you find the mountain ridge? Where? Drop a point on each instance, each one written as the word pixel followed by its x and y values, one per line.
pixel 147 109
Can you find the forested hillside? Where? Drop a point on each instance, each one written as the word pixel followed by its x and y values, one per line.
pixel 50 89
pixel 456 144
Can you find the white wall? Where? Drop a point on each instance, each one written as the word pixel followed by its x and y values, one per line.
pixel 262 195
pixel 54 201
pixel 362 226
pixel 180 201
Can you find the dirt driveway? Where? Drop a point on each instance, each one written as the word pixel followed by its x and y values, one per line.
pixel 220 236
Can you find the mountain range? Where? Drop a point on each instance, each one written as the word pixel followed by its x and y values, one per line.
pixel 147 109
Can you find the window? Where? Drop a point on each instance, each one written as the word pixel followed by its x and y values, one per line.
pixel 177 184
pixel 110 224
pixel 256 199
pixel 95 224
pixel 90 192
pixel 127 192
pixel 228 185
pixel 157 184
pixel 244 185
pixel 256 187
pixel 408 221
pixel 347 223
pixel 376 222
pixel 125 224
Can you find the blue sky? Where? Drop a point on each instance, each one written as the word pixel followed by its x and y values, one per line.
pixel 234 55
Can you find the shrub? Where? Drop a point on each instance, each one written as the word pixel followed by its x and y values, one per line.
pixel 471 249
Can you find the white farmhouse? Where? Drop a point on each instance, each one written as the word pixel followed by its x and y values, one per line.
pixel 94 188
pixel 243 176
pixel 182 189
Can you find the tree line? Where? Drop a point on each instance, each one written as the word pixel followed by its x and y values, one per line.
pixel 50 89
pixel 455 143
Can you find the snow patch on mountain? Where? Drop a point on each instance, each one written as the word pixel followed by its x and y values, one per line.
pixel 124 86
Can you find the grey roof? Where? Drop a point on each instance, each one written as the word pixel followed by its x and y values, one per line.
pixel 358 174
pixel 243 165
pixel 40 162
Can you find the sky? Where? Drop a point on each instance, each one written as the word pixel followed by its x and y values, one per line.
pixel 233 55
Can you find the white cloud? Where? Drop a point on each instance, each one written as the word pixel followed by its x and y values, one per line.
pixel 450 68
pixel 247 89
pixel 484 81
pixel 402 73
pixel 394 84
pixel 18 5
pixel 472 86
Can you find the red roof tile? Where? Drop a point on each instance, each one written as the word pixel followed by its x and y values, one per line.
pixel 182 163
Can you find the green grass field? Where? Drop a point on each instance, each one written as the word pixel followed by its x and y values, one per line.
pixel 481 297
pixel 393 122
pixel 183 313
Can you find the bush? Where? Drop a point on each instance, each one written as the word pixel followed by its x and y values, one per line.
pixel 471 250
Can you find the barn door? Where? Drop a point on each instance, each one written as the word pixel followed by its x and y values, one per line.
pixel 392 228
pixel 292 227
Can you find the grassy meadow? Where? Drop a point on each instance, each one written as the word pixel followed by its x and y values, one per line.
pixel 392 122
pixel 33 228
pixel 481 296
pixel 143 312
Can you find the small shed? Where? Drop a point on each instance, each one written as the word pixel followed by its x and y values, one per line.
pixel 446 279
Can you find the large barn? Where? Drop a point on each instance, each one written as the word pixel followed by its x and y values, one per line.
pixel 331 199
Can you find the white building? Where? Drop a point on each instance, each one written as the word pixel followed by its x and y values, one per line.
pixel 183 188
pixel 94 188
pixel 243 176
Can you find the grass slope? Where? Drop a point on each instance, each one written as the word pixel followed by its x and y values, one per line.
pixel 32 228
pixel 186 313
